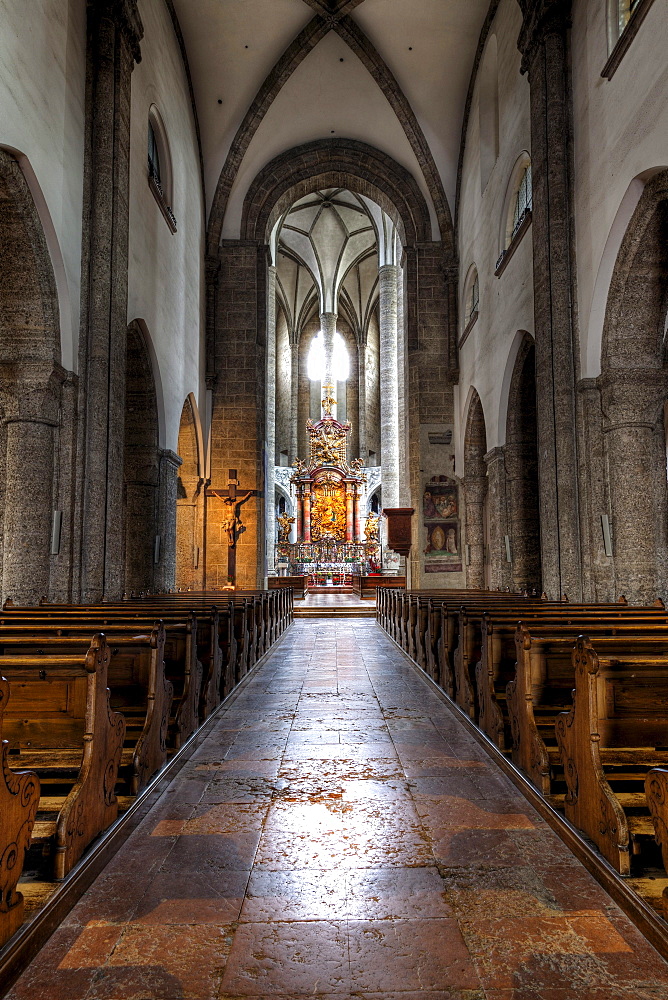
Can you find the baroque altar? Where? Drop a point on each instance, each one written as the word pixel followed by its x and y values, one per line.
pixel 333 536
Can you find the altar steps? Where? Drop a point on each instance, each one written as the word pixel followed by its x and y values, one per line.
pixel 335 611
pixel 330 590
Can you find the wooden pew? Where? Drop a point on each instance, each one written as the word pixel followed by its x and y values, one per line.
pixel 656 792
pixel 60 723
pixel 544 680
pixel 136 678
pixel 496 667
pixel 186 646
pixel 19 800
pixel 618 722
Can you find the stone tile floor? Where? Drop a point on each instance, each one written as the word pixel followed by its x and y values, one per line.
pixel 339 834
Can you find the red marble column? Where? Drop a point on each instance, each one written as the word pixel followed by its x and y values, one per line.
pixel 350 501
pixel 300 517
pixel 307 517
pixel 359 527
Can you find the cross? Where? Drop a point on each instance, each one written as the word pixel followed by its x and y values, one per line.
pixel 232 521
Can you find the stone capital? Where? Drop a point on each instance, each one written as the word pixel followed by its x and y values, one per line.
pixel 541 18
pixel 632 396
pixel 125 15
pixel 170 457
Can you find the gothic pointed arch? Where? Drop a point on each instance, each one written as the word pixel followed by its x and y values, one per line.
pixel 327 163
pixel 30 381
pixel 475 491
pixel 350 32
pixel 521 461
pixel 141 464
pixel 634 390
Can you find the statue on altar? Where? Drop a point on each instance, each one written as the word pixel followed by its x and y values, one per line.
pixel 371 527
pixel 285 523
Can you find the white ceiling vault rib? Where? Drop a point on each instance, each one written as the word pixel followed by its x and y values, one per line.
pixel 249 55
pixel 336 251
pixel 245 53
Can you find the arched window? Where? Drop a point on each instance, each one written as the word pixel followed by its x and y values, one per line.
pixel 522 204
pixel 517 213
pixel 153 155
pixel 472 298
pixel 471 301
pixel 160 166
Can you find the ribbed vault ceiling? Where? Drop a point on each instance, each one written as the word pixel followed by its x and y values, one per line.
pixel 327 257
pixel 390 73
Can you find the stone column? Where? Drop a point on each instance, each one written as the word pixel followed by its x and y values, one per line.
pixel 523 522
pixel 361 397
pixel 270 446
pixel 389 397
pixel 189 506
pixel 636 461
pixel 29 427
pixel 294 401
pixel 475 492
pixel 165 569
pixel 500 568
pixel 328 328
pixel 543 44
pixel 115 31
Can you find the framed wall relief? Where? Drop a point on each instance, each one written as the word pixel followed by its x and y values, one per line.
pixel 440 512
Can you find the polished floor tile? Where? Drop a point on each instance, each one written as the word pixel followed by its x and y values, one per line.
pixel 339 834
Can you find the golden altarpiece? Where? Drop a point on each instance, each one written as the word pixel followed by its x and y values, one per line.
pixel 332 532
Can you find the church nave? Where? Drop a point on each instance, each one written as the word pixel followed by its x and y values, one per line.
pixel 339 833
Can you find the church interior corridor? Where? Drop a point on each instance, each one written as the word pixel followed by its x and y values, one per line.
pixel 334 499
pixel 338 833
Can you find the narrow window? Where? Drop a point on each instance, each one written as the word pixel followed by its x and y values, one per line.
pixel 523 202
pixel 153 155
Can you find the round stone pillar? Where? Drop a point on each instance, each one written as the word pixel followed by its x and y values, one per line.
pixel 328 329
pixel 475 492
pixel 389 394
pixel 165 569
pixel 294 402
pixel 269 502
pixel 361 396
pixel 636 459
pixel 28 510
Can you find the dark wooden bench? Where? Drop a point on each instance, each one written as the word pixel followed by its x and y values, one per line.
pixel 19 801
pixel 136 678
pixel 618 724
pixel 60 724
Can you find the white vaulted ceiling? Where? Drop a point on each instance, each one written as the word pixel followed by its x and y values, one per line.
pixel 420 51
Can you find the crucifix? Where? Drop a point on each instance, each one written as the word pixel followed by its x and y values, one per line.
pixel 231 521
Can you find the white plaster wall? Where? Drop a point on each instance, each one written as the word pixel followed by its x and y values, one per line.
pixel 165 287
pixel 620 133
pixel 506 303
pixel 42 92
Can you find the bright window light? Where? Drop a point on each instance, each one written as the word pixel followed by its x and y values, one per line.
pixel 316 359
pixel 340 362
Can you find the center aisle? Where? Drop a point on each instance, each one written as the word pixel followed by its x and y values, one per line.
pixel 339 832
